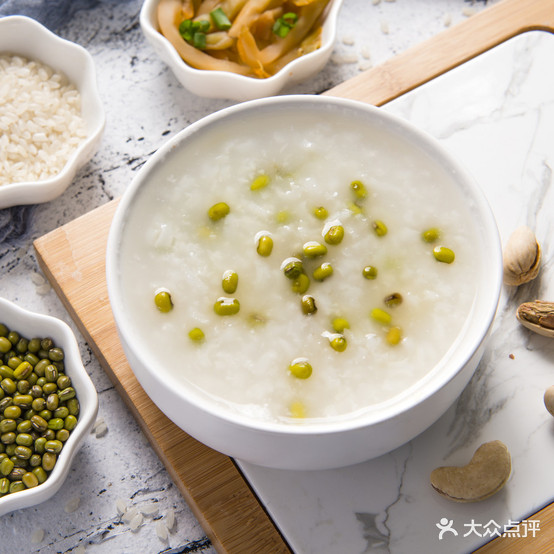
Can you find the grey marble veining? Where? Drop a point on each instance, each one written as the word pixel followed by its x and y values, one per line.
pixel 318 512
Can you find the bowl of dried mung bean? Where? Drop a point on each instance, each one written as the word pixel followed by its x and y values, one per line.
pixel 47 405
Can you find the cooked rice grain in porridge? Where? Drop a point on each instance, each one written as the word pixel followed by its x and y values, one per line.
pixel 296 164
pixel 40 120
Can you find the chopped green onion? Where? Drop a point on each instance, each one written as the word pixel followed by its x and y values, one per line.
pixel 199 41
pixel 284 24
pixel 203 25
pixel 220 20
pixel 194 32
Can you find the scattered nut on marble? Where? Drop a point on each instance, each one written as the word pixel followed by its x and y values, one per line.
pixel 549 399
pixel 485 474
pixel 522 257
pixel 538 316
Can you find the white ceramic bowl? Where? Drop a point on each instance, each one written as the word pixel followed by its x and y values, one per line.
pixel 26 37
pixel 334 443
pixel 29 324
pixel 221 84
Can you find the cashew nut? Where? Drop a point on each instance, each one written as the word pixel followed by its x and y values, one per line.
pixel 549 399
pixel 483 476
pixel 522 257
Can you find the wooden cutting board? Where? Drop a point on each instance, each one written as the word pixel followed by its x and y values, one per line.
pixel 73 259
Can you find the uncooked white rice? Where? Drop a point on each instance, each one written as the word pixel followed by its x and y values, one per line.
pixel 40 121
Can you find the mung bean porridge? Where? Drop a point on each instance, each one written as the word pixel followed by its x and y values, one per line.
pixel 296 268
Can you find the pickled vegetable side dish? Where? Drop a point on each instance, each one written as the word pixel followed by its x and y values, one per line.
pixel 298 268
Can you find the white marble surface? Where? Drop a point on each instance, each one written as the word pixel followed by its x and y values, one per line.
pixel 495 113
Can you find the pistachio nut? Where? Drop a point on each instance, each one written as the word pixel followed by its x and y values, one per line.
pixel 522 257
pixel 538 316
pixel 549 399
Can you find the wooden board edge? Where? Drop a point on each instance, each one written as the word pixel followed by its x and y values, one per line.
pixel 465 41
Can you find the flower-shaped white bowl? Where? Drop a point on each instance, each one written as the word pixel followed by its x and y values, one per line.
pixel 231 86
pixel 26 37
pixel 29 324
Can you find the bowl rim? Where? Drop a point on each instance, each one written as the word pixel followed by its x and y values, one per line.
pixel 473 332
pixel 45 190
pixel 148 22
pixel 28 324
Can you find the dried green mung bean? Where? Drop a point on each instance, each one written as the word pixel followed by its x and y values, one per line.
pixel 292 268
pixel 5 345
pixel 334 234
pixel 431 235
pixel 443 254
pixel 24 386
pixel 226 306
pixel 314 249
pixel 340 324
pixel 12 412
pixel 393 299
pixel 358 188
pixel 62 412
pixel 34 345
pixel 320 212
pixel 51 374
pixel 30 480
pixel 49 461
pixel 24 439
pixel 301 284
pixel 8 385
pixel 308 305
pixel 56 354
pixel 259 182
pixel 62 435
pixel 196 334
pixel 380 228
pixel 282 217
pixel 14 361
pixel 46 343
pixel 40 473
pixel 264 245
pixel 324 271
pixel 229 281
pixel 219 211
pixel 338 343
pixel 17 486
pixel 63 382
pixel 394 336
pixel 23 370
pixel 6 372
pixel 163 301
pixel 7 426
pixel 66 394
pixel 24 426
pixel 73 406
pixel 23 452
pixel 370 272
pixel 56 423
pixel 381 316
pixel 300 368
pixel 70 422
